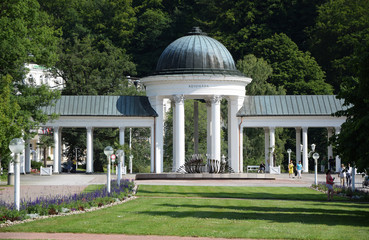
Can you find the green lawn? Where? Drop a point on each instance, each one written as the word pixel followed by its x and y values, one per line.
pixel 231 212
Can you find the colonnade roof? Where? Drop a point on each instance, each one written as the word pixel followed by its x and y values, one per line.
pixel 291 105
pixel 129 106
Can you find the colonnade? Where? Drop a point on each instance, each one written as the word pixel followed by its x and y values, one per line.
pixel 89 148
pixel 269 136
pixel 213 129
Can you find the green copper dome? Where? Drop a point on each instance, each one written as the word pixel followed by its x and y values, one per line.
pixel 196 53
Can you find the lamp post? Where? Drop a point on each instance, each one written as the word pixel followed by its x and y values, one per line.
pixel 16 146
pixel 108 151
pixel 130 163
pixel 316 156
pixel 289 155
pixel 119 154
pixel 76 159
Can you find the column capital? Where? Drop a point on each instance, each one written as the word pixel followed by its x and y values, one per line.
pixel 89 128
pixel 179 98
pixel 337 129
pixel 215 99
pixel 304 129
pixel 298 128
pixel 122 128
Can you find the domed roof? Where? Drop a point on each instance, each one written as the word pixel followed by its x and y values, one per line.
pixel 196 53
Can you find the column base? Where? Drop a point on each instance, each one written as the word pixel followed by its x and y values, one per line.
pixel 89 172
pixel 10 178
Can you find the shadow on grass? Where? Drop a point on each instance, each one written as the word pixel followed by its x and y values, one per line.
pixel 273 214
pixel 259 195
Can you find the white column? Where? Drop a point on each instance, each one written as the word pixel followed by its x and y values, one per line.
pixel 152 146
pixel 330 148
pixel 121 142
pixel 89 162
pixel 60 155
pixel 298 147
pixel 240 168
pixel 27 156
pixel 305 160
pixel 174 124
pixel 266 148
pixel 208 127
pixel 215 116
pixel 56 150
pixel 179 129
pixel 271 145
pixel 338 159
pixel 235 144
pixel 157 161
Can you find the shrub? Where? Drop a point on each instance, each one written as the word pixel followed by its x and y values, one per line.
pixel 36 165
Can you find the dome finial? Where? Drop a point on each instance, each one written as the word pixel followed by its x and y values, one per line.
pixel 196 31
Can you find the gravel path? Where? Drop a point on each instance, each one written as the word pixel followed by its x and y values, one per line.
pixel 31 192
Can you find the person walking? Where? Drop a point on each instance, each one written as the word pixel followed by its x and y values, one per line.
pixel 348 175
pixel 290 170
pixel 342 175
pixel 329 182
pixel 299 169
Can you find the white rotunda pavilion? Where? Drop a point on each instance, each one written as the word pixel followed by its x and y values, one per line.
pixel 197 67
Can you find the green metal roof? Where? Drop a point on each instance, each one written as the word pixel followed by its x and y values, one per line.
pixel 129 106
pixel 291 105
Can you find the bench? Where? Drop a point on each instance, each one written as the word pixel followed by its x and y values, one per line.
pixel 252 168
pixel 46 171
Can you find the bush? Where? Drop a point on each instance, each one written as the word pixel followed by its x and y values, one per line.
pixel 36 165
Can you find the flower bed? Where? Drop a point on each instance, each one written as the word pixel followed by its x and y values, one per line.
pixel 343 191
pixel 45 206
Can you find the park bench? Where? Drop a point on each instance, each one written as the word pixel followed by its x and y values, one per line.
pixel 252 168
pixel 47 171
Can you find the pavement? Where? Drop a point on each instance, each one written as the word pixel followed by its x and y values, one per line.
pixel 33 186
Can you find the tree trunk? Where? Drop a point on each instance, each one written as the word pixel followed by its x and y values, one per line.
pixel 45 157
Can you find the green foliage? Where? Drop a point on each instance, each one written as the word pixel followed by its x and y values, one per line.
pixel 8 112
pixel 93 68
pixel 353 140
pixel 293 69
pixel 336 38
pixel 36 165
pixel 26 36
pixel 260 72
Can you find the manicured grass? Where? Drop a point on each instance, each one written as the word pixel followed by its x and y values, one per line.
pixel 200 211
pixel 292 193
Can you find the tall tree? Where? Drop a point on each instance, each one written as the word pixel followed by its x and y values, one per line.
pixel 296 71
pixel 335 40
pixel 8 112
pixel 93 68
pixel 352 142
pixel 26 36
pixel 260 72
